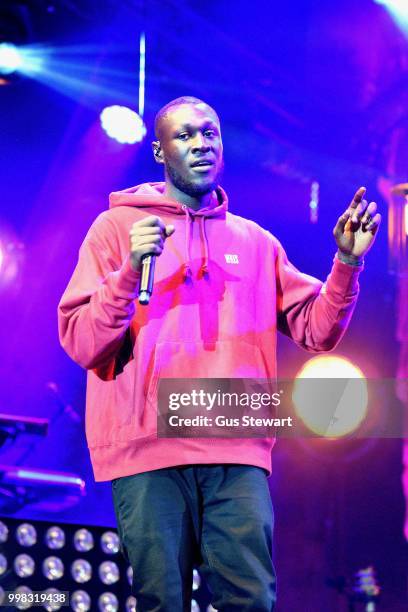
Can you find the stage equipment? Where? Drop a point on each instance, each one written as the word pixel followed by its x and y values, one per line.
pixel 83 561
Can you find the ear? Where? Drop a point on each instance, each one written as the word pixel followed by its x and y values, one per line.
pixel 157 152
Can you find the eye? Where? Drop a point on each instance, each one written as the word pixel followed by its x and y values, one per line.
pixel 183 136
pixel 209 133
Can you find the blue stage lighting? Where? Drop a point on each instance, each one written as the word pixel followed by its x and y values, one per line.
pixel 10 58
pixel 399 11
pixel 123 124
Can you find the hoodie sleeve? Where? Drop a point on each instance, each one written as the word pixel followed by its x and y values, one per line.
pixel 315 314
pixel 97 306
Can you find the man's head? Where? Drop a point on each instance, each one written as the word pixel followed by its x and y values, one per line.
pixel 189 145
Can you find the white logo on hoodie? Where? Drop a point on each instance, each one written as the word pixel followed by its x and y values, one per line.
pixel 231 259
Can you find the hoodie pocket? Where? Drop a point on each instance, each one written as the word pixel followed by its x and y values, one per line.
pixel 193 360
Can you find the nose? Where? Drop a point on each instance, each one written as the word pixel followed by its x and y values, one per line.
pixel 200 143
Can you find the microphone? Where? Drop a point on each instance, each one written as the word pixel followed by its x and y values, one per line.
pixel 146 279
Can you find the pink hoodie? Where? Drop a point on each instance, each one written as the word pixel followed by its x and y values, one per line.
pixel 223 286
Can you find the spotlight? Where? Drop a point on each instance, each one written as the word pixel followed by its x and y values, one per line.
pixel 3 532
pixel 83 540
pixel 333 408
pixel 3 564
pixel 26 535
pixel 80 601
pixel 131 604
pixel 10 58
pixel 110 543
pixel 122 124
pixel 108 602
pixel 24 565
pixel 108 572
pixel 81 571
pixel 55 538
pixel 399 11
pixel 53 568
pixel 23 602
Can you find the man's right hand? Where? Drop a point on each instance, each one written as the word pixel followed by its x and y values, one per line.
pixel 147 237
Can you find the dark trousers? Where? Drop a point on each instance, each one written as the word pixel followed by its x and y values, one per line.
pixel 217 518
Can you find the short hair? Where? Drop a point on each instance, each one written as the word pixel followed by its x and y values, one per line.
pixel 177 102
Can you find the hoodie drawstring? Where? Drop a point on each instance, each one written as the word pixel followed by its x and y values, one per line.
pixel 187 272
pixel 204 267
pixel 187 266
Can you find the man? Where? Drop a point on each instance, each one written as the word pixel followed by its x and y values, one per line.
pixel 223 287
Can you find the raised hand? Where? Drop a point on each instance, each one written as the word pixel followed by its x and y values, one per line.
pixel 357 227
pixel 147 237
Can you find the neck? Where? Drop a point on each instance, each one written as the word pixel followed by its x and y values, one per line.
pixel 194 202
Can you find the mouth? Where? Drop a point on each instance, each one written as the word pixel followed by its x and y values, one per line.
pixel 202 163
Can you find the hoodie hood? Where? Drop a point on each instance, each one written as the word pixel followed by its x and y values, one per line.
pixel 150 195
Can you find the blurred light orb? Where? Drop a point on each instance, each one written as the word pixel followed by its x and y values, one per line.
pixel 4 532
pixel 81 571
pixel 80 601
pixel 129 574
pixel 122 124
pixel 2 595
pixel 24 566
pixel 345 400
pixel 210 608
pixel 3 564
pixel 53 568
pixel 194 606
pixel 108 572
pixel 52 604
pixel 83 540
pixel 26 535
pixel 110 543
pixel 55 538
pixel 23 590
pixel 10 58
pixel 196 580
pixel 108 602
pixel 131 604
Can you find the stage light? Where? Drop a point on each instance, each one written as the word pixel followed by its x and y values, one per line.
pixel 129 574
pixel 3 532
pixel 399 10
pixel 55 538
pixel 53 568
pixel 10 58
pixel 53 604
pixel 24 565
pixel 3 564
pixel 122 124
pixel 330 396
pixel 108 572
pixel 108 602
pixel 80 601
pixel 23 603
pixel 131 604
pixel 81 571
pixel 110 543
pixel 194 606
pixel 26 535
pixel 83 540
pixel 196 580
pixel 99 580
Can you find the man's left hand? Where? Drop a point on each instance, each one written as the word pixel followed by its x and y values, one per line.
pixel 357 227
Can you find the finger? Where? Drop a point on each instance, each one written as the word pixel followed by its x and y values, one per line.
pixel 152 220
pixel 146 231
pixel 141 242
pixel 358 197
pixel 374 224
pixel 341 224
pixel 149 249
pixel 368 215
pixel 358 212
pixel 169 230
